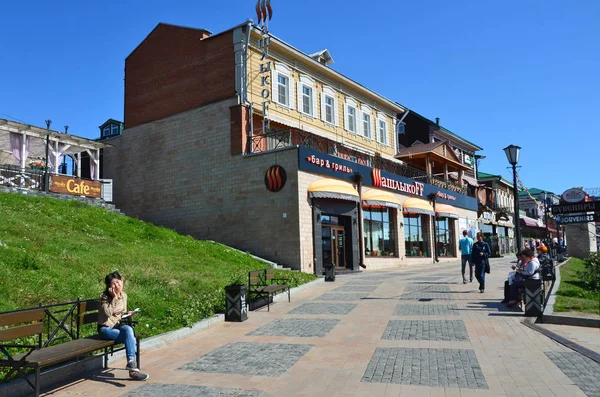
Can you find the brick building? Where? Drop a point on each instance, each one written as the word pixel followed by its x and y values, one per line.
pixel 241 138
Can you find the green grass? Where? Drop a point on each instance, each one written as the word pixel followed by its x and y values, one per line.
pixel 572 295
pixel 56 251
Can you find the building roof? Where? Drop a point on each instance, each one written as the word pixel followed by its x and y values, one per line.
pixel 447 131
pixel 110 121
pixel 483 176
pixel 534 191
pixel 418 149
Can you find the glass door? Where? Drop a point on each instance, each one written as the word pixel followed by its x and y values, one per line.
pixel 338 245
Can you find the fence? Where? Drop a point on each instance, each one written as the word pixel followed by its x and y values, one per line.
pixel 14 176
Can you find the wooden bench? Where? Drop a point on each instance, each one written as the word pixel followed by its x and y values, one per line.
pixel 261 283
pixel 50 348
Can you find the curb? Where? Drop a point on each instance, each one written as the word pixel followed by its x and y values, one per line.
pixel 529 322
pixel 161 340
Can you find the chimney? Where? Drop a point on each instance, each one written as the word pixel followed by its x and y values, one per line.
pixel 437 121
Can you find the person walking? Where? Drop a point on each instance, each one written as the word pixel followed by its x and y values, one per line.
pixel 480 256
pixel 466 245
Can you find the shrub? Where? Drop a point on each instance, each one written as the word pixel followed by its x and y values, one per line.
pixel 591 275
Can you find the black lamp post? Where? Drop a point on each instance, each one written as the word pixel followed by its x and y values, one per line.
pixel 546 199
pixel 46 180
pixel 512 154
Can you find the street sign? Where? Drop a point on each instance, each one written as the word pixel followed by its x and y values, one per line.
pixel 584 218
pixel 589 206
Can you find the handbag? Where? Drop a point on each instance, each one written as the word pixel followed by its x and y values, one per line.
pixel 487 267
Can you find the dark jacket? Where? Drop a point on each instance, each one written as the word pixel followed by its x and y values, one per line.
pixel 477 249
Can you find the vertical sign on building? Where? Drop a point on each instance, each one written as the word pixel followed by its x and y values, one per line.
pixel 264 13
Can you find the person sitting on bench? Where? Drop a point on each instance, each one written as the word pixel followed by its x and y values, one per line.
pixel 114 306
pixel 530 270
pixel 512 277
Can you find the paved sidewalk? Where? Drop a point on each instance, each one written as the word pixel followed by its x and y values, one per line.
pixel 416 331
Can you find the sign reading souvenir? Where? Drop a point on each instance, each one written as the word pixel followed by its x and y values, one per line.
pixel 76 187
pixel 275 178
pixel 585 218
pixel 415 188
pixel 264 12
pixel 574 195
pixel 588 206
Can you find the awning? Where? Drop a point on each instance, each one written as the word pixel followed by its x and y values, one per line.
pixel 333 188
pixel 446 210
pixel 527 221
pixel 417 206
pixel 381 198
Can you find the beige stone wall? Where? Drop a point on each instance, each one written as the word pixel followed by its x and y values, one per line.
pixel 178 172
pixel 581 239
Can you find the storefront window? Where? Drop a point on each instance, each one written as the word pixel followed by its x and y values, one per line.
pixel 379 231
pixel 416 235
pixel 445 237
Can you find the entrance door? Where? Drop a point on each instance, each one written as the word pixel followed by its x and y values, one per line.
pixel 338 245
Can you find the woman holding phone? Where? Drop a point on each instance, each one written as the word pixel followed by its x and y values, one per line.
pixel 114 308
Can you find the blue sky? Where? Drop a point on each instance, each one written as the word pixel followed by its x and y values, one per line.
pixel 496 73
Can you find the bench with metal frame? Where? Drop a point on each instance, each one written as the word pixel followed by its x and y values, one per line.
pixel 262 283
pixel 48 323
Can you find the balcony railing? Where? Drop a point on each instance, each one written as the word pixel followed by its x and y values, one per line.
pixel 14 176
pixel 282 138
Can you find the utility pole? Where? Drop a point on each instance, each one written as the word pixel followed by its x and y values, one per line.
pixel 46 175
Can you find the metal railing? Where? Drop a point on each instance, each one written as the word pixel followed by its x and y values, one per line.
pixel 282 138
pixel 14 176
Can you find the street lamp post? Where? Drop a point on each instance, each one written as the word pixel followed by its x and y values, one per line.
pixel 546 198
pixel 46 180
pixel 512 154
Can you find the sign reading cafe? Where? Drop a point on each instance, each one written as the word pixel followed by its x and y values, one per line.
pixel 264 12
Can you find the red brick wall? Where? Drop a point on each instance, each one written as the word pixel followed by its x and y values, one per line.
pixel 173 70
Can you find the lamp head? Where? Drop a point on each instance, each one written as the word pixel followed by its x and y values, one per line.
pixel 512 154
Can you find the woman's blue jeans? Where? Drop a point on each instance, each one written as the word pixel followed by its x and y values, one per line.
pixel 121 333
pixel 480 275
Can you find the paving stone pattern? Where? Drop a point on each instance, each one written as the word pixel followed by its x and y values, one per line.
pixel 426 288
pixel 437 330
pixel 333 296
pixel 364 281
pixel 428 278
pixel 263 359
pixel 165 390
pixel 426 367
pixel 296 327
pixel 582 371
pixel 355 288
pixel 324 308
pixel 446 309
pixel 426 296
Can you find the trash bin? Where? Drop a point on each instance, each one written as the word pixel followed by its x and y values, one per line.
pixel 329 272
pixel 533 298
pixel 236 309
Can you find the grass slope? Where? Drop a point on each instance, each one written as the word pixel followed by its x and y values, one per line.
pixel 55 251
pixel 572 295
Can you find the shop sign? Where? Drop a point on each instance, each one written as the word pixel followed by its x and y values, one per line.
pixel 589 206
pixel 264 12
pixel 487 216
pixel 275 178
pixel 415 188
pixel 573 195
pixel 468 160
pixel 584 218
pixel 446 196
pixel 329 164
pixel 77 187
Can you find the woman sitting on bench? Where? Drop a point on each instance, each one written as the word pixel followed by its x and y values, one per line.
pixel 114 306
pixel 529 270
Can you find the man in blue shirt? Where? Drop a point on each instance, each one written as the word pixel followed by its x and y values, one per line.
pixel 466 246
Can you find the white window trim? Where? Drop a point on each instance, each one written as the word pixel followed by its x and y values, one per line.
pixel 386 131
pixel 284 70
pixel 308 82
pixel 328 91
pixel 351 103
pixel 364 109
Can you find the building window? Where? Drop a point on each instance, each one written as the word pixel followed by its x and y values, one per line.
pixel 367 125
pixel 379 233
pixel 329 106
pixel 307 100
pixel 106 131
pixel 382 132
pixel 446 245
pixel 114 129
pixel 283 88
pixel 416 236
pixel 351 119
